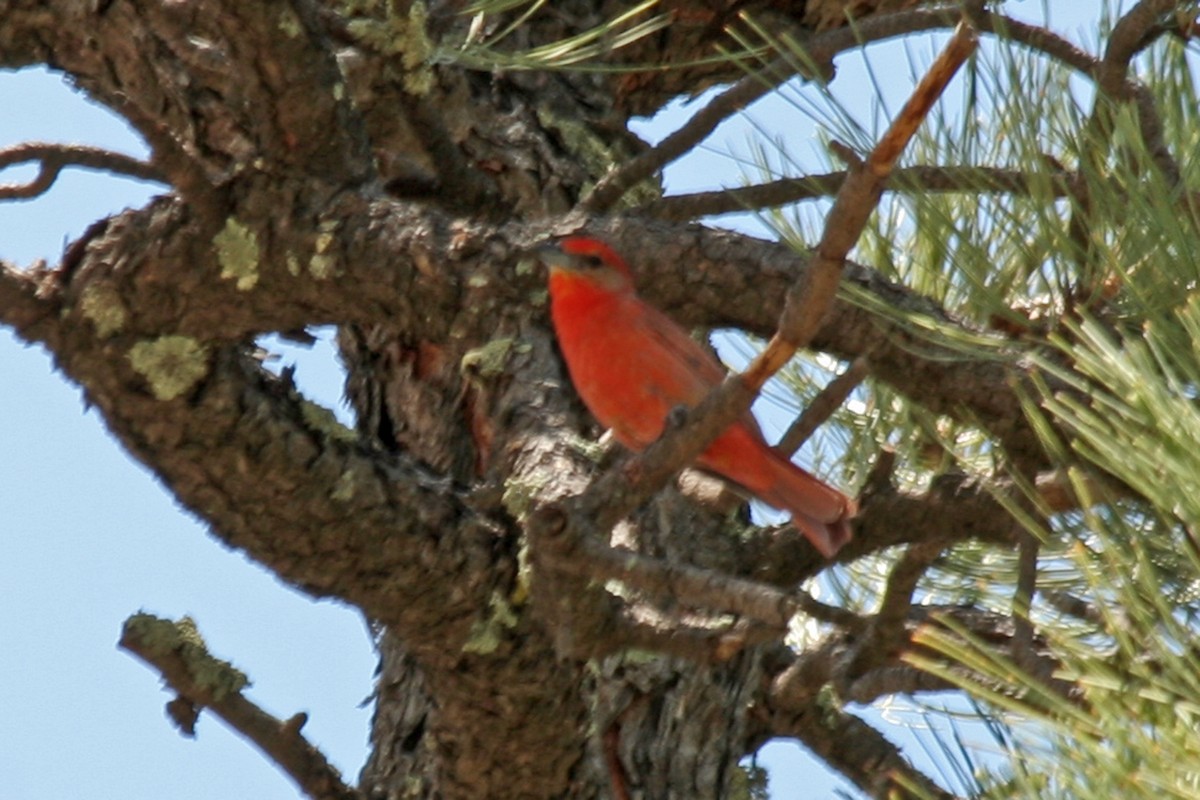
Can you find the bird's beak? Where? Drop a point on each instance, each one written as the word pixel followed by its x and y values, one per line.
pixel 553 257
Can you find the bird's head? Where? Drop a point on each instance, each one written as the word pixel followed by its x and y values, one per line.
pixel 581 257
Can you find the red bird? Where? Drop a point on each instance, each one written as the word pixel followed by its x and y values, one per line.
pixel 632 365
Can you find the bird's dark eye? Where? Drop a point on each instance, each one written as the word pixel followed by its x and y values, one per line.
pixel 591 262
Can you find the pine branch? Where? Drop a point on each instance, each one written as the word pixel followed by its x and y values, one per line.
pixel 910 180
pixel 823 406
pixel 613 186
pixel 858 751
pixel 886 635
pixel 818 51
pixel 1110 76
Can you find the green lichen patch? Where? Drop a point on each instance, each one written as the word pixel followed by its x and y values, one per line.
pixel 590 449
pixel 416 49
pixel 487 360
pixel 172 365
pixel 163 637
pixel 237 253
pixel 321 419
pixel 103 307
pixel 403 35
pixel 289 23
pixel 526 266
pixel 323 264
pixel 486 634
pixel 518 496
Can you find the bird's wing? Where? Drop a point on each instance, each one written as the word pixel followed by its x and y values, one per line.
pixel 685 363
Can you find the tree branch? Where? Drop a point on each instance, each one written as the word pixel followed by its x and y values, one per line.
pixel 169 397
pixel 1066 603
pixel 408 258
pixel 575 549
pixel 819 51
pixel 859 752
pixel 176 650
pixel 26 304
pixel 613 186
pixel 954 509
pixel 1113 84
pixel 887 635
pixel 52 158
pixel 1129 37
pixel 822 407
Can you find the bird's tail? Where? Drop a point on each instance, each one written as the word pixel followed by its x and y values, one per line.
pixel 819 511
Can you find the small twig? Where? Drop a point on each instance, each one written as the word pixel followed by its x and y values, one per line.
pixel 887 633
pixel 53 158
pixel 587 556
pixel 1073 606
pixel 1129 37
pixel 613 186
pixel 902 582
pixel 910 179
pixel 892 679
pixel 827 401
pixel 834 615
pixel 1113 83
pixel 680 639
pixel 26 302
pixel 176 650
pixel 1022 603
pixel 1131 33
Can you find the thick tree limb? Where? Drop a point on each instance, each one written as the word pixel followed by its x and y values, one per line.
pixel 614 185
pixel 243 450
pixel 203 681
pixel 387 251
pixel 955 509
pixel 272 83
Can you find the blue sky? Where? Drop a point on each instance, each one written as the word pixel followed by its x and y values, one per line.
pixel 89 537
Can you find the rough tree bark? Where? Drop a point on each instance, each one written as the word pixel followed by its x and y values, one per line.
pixel 329 163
